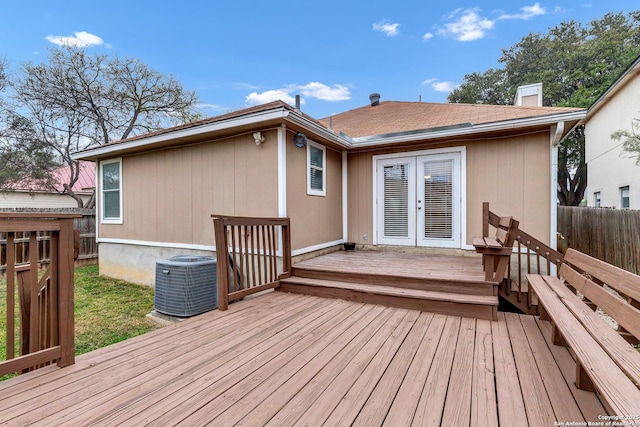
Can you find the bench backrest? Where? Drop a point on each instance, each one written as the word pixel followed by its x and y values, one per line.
pixel 586 274
pixel 503 231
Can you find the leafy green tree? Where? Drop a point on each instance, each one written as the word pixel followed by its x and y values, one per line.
pixel 630 139
pixel 576 63
pixel 76 100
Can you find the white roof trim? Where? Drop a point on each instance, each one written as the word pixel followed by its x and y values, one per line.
pixel 467 130
pixel 279 113
pixel 344 141
pixel 113 149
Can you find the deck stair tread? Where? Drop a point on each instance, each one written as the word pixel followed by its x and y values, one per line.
pixel 434 281
pixel 396 291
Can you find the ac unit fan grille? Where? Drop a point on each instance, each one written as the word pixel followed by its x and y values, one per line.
pixel 186 285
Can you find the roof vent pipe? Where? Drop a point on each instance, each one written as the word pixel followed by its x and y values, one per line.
pixel 298 102
pixel 375 99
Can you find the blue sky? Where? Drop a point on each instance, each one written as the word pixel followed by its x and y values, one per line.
pixel 333 53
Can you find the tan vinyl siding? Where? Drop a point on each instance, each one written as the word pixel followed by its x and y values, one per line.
pixel 360 191
pixel 169 195
pixel 315 220
pixel 511 173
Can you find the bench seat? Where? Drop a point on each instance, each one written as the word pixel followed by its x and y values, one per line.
pixel 605 361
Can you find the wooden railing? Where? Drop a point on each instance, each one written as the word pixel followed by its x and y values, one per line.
pixel 247 255
pixel 532 257
pixel 45 328
pixel 85 224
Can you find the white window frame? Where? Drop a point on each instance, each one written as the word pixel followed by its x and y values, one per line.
pixel 624 188
pixel 313 191
pixel 110 220
pixel 597 199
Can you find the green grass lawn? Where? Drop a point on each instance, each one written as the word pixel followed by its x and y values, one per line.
pixel 106 310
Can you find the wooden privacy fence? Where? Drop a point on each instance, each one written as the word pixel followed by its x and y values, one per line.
pixel 44 327
pixel 247 255
pixel 85 223
pixel 611 235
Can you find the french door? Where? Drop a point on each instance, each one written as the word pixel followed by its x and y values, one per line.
pixel 419 200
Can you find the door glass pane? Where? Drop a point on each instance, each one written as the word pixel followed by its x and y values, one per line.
pixel 438 199
pixel 396 201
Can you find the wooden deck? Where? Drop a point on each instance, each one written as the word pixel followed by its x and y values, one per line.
pixel 444 284
pixel 467 268
pixel 285 359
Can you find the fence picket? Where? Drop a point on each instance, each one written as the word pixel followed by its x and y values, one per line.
pixel 611 235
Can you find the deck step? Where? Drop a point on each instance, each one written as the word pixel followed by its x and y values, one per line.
pixel 436 282
pixel 521 303
pixel 478 306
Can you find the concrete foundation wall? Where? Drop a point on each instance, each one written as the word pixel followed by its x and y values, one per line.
pixel 136 263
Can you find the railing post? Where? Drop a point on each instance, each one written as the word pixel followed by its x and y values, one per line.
pixel 286 250
pixel 223 264
pixel 11 258
pixel 66 331
pixel 485 219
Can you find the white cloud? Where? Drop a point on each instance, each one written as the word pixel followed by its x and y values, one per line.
pixel 439 86
pixel 528 12
pixel 287 94
pixel 255 98
pixel 211 107
pixel 443 86
pixel 388 29
pixel 427 36
pixel 468 25
pixel 79 39
pixel 244 85
pixel 321 91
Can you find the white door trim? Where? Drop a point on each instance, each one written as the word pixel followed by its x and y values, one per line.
pixel 410 239
pixel 463 186
pixel 455 240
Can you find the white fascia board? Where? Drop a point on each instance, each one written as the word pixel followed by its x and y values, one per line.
pixel 474 129
pixel 318 129
pixel 255 118
pixel 249 119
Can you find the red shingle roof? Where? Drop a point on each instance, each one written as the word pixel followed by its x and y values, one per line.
pixel 395 116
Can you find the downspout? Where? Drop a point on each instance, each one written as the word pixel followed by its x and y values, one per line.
pixel 282 178
pixel 345 199
pixel 555 141
pixel 282 171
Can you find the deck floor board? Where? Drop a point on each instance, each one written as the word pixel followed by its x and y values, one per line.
pixel 286 359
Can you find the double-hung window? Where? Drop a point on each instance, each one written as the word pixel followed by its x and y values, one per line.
pixel 111 191
pixel 624 197
pixel 316 169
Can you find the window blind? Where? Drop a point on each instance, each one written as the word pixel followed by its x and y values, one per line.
pixel 316 168
pixel 438 199
pixel 396 200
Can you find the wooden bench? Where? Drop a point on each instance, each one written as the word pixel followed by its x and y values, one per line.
pixel 496 250
pixel 606 362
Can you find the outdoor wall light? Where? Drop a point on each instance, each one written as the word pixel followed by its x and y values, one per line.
pixel 258 138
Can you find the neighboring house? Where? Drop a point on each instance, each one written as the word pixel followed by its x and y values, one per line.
pixel 389 173
pixel 35 194
pixel 613 178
